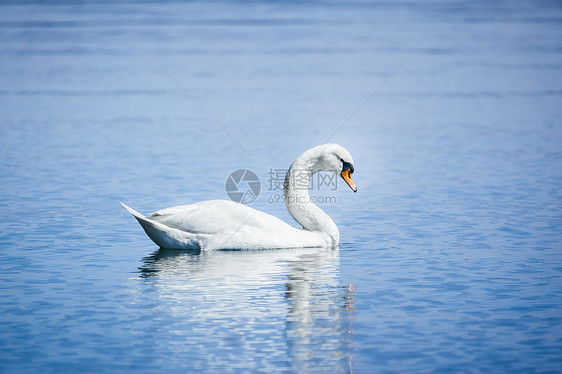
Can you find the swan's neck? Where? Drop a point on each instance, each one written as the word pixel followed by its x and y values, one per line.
pixel 297 199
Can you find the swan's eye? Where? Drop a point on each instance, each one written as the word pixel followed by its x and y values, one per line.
pixel 347 166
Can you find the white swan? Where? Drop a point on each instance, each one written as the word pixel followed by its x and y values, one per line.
pixel 223 224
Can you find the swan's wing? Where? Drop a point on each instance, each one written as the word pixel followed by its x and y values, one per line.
pixel 215 216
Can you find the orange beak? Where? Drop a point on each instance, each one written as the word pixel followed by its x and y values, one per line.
pixel 346 175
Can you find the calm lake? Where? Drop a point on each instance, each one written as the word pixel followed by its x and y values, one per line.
pixel 451 250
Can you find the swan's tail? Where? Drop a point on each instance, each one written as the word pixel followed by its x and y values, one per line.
pixel 162 235
pixel 136 214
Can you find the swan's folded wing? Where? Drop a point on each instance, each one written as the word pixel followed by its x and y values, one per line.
pixel 206 217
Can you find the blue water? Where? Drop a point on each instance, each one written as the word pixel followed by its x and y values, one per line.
pixel 451 251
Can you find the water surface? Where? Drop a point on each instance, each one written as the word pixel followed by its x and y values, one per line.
pixel 450 257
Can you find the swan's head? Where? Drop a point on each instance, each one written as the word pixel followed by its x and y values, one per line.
pixel 336 158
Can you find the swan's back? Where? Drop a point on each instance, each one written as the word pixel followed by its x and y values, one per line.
pixel 217 216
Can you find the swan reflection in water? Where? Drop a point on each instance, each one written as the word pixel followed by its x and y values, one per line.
pixel 283 308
